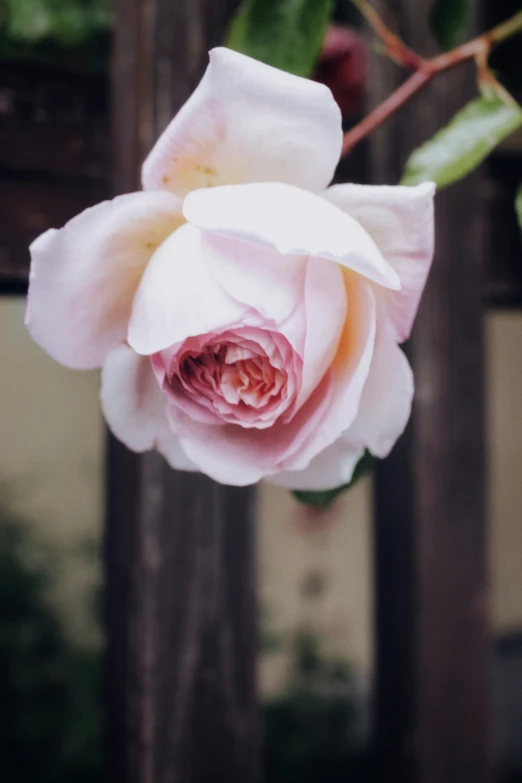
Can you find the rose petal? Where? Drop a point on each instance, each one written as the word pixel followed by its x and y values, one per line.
pixel 233 455
pixel 292 221
pixel 134 407
pixel 303 296
pixel 349 370
pixel 332 468
pixel 326 307
pixel 387 397
pixel 84 276
pixel 401 221
pixel 239 457
pixel 248 122
pixel 178 297
pixel 259 277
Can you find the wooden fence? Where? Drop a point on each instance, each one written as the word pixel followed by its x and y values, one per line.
pixel 180 559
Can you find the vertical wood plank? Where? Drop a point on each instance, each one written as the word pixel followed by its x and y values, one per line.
pixel 180 550
pixel 432 685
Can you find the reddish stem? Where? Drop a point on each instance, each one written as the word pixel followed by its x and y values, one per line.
pixel 425 70
pixel 380 114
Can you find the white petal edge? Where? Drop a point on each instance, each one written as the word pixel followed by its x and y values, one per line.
pixel 386 400
pixel 291 221
pixel 178 297
pixel 401 221
pixel 84 276
pixel 332 468
pixel 134 407
pixel 248 122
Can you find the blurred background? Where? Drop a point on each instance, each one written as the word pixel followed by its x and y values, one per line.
pixel 315 667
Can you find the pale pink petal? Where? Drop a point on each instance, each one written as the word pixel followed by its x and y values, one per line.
pixel 178 297
pixel 248 122
pixel 332 468
pixel 303 296
pixel 401 221
pixel 84 276
pixel 259 277
pixel 325 306
pixel 386 401
pixel 134 407
pixel 291 221
pixel 234 455
pixel 349 372
pixel 210 394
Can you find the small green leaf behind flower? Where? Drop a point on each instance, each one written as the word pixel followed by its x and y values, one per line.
pixel 325 498
pixel 287 34
pixel 449 21
pixel 465 143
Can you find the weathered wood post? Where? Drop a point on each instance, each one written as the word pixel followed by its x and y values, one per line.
pixel 180 550
pixel 432 687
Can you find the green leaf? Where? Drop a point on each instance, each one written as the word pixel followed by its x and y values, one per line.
pixel 518 206
pixel 449 21
pixel 287 34
pixel 461 146
pixel 326 498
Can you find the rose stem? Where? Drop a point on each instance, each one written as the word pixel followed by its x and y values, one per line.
pixel 424 69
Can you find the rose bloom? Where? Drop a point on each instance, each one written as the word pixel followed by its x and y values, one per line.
pixel 246 316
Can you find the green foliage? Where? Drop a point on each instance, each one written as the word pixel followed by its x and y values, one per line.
pixel 67 22
pixel 326 497
pixel 449 21
pixel 49 690
pixel 465 143
pixel 313 731
pixel 287 34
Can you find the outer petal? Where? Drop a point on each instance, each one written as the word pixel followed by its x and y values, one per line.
pixel 84 276
pixel 178 297
pixel 401 221
pixel 134 407
pixel 292 221
pixel 383 414
pixel 332 468
pixel 248 122
pixel 387 398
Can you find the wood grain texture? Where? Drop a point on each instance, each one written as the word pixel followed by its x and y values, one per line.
pixel 433 647
pixel 53 156
pixel 180 550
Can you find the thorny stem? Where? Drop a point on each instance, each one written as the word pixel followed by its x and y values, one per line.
pixel 424 69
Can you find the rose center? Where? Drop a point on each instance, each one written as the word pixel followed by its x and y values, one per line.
pixel 237 374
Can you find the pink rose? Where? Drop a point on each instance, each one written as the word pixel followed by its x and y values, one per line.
pixel 247 318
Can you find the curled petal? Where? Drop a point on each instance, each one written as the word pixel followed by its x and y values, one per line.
pixel 178 297
pixel 332 468
pixel 401 221
pixel 239 457
pixel 349 372
pixel 248 122
pixel 291 221
pixel 387 398
pixel 259 277
pixel 134 407
pixel 233 455
pixel 303 296
pixel 84 276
